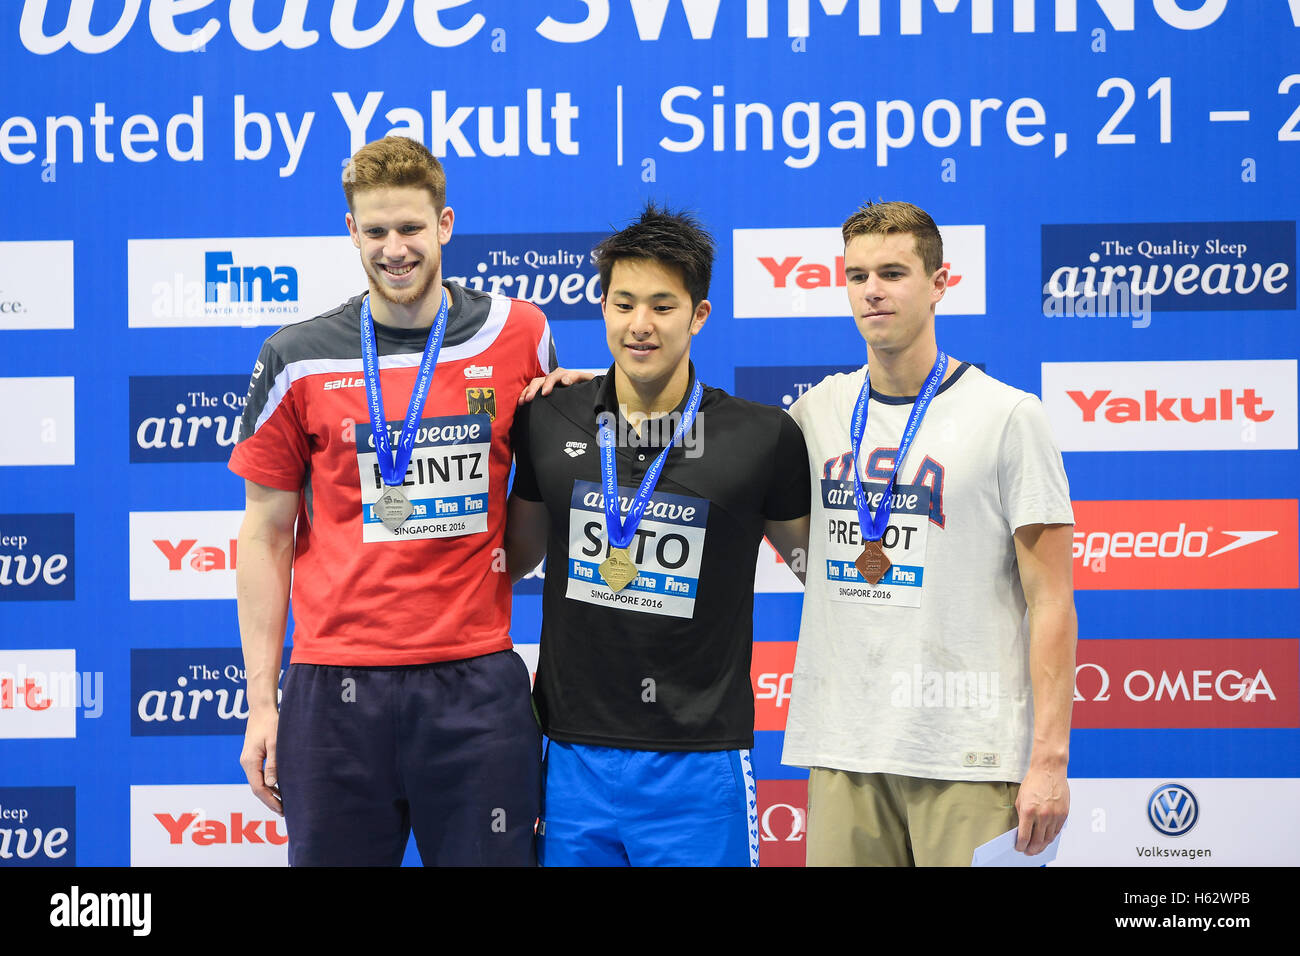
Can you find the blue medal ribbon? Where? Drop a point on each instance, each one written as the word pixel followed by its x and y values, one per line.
pixel 620 532
pixel 393 465
pixel 873 528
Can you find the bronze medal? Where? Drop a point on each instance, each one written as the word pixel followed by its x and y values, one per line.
pixel 618 569
pixel 872 563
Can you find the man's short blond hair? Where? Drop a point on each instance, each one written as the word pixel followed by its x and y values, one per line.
pixel 395 161
pixel 887 218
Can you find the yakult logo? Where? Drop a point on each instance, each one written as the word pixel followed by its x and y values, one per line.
pixel 790 273
pixel 1128 545
pixel 1171 406
pixel 178 555
pixel 41 692
pixel 1186 683
pixel 217 825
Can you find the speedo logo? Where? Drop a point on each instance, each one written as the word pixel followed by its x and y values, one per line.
pixel 350 382
pixel 1170 545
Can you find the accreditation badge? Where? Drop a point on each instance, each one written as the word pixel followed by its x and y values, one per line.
pixel 901 560
pixel 445 486
pixel 665 555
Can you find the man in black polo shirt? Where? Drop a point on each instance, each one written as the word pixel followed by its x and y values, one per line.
pixel 650 493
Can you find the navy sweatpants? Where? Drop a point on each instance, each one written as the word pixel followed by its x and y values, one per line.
pixel 452 751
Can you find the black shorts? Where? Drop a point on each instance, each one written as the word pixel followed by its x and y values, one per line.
pixel 452 751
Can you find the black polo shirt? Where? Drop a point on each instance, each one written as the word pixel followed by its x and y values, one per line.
pixel 664 663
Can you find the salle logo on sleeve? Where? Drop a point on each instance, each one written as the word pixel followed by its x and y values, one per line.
pixel 184 555
pixel 38 826
pixel 668 550
pixel 206 825
pixel 797 272
pixel 1187 683
pixel 1172 406
pixel 1179 545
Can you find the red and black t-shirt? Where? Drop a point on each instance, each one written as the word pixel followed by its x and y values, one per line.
pixel 436 589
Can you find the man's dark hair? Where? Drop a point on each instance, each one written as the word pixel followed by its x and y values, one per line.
pixel 673 239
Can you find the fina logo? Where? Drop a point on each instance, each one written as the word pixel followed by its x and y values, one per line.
pixel 1172 809
pixel 247 283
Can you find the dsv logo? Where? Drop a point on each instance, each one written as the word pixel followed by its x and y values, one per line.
pixel 797 826
pixel 1172 809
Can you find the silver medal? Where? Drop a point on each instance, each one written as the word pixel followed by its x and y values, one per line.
pixel 393 508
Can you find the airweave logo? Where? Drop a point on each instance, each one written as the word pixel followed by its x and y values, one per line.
pixel 38 826
pixel 1172 406
pixel 195 283
pixel 37 557
pixel 551 270
pixel 190 691
pixel 793 273
pixel 185 417
pixel 1173 266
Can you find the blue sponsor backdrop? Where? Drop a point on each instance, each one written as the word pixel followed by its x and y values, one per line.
pixel 556 120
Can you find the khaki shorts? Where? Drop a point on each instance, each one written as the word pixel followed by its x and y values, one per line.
pixel 883 819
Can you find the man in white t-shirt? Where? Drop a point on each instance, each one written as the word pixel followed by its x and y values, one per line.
pixel 932 711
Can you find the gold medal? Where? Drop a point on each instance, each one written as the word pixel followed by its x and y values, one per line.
pixel 618 569
pixel 872 563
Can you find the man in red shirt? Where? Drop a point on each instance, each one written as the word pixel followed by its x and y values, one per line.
pixel 375 448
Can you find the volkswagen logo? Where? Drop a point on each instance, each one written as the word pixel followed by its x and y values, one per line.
pixel 1172 809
